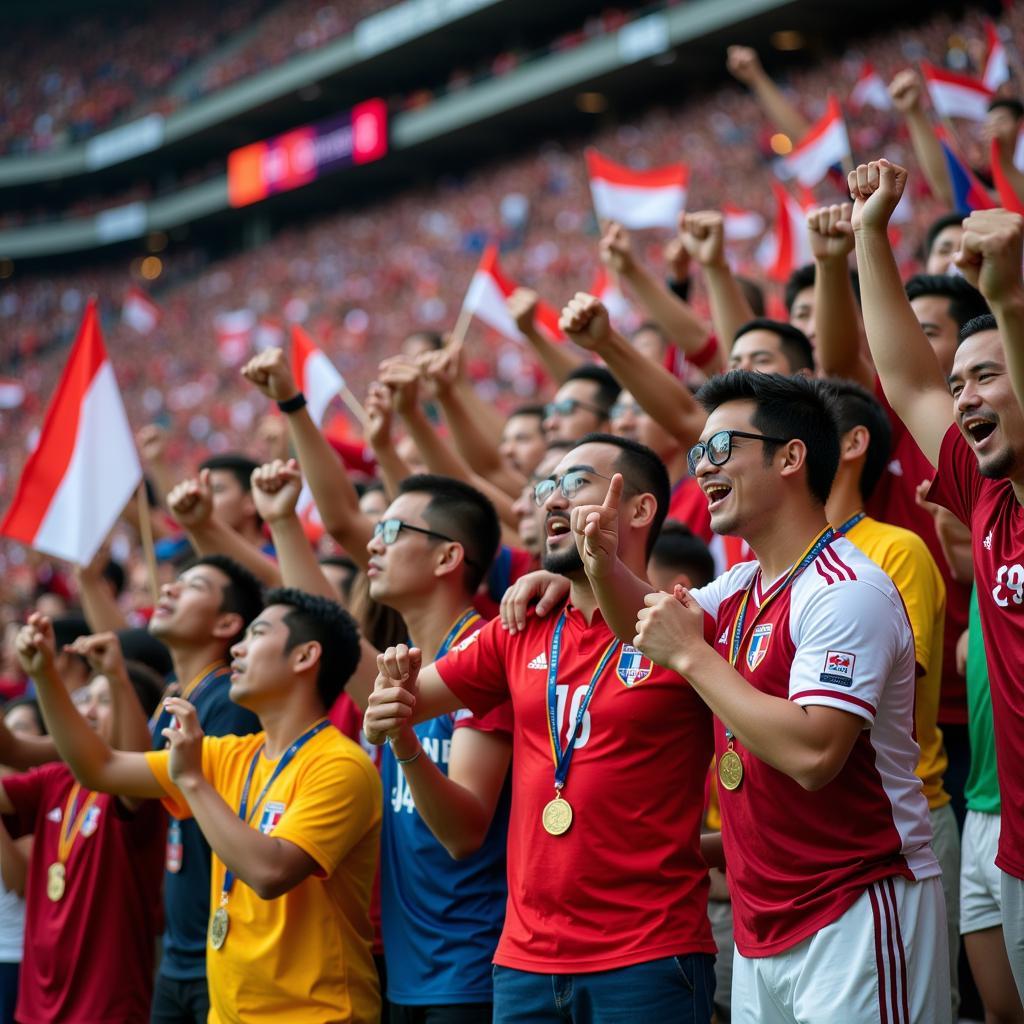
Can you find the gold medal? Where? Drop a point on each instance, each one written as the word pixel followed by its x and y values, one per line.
pixel 730 770
pixel 56 881
pixel 556 816
pixel 219 927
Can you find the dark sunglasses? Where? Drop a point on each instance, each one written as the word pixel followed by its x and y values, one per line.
pixel 718 447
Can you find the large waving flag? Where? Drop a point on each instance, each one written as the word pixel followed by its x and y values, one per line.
pixel 317 377
pixel 824 146
pixel 954 95
pixel 968 193
pixel 85 467
pixel 1008 198
pixel 869 90
pixel 637 199
pixel 487 297
pixel 140 312
pixel 790 244
pixel 997 64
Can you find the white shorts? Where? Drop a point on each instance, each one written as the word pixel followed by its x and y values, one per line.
pixel 981 906
pixel 885 959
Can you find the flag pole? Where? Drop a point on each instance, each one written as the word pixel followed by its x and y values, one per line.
pixel 146 534
pixel 458 335
pixel 354 406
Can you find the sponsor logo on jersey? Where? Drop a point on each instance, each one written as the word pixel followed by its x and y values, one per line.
pixel 988 541
pixel 540 661
pixel 759 641
pixel 838 668
pixel 724 637
pixel 271 816
pixel 632 667
pixel 54 815
pixel 468 641
pixel 92 821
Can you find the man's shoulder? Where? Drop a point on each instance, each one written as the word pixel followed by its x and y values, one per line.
pixel 884 543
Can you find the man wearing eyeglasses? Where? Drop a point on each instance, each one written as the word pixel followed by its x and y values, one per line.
pixel 607 900
pixel 581 405
pixel 446 799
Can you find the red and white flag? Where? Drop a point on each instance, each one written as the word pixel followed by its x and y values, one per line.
pixel 487 298
pixel 824 146
pixel 789 246
pixel 317 377
pixel 140 312
pixel 741 225
pixel 637 199
pixel 234 335
pixel 954 95
pixel 997 64
pixel 85 467
pixel 869 90
pixel 606 289
pixel 12 393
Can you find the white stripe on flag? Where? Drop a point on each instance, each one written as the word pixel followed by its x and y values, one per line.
pixel 638 207
pixel 486 301
pixel 323 382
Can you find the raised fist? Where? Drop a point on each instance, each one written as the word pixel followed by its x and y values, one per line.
pixel 876 189
pixel 703 235
pixel 743 63
pixel 191 501
pixel 270 372
pixel 905 91
pixel 585 321
pixel 275 489
pixel 521 306
pixel 831 232
pixel 616 249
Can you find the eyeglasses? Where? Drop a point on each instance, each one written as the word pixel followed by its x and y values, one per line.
pixel 620 409
pixel 567 406
pixel 389 529
pixel 570 483
pixel 718 447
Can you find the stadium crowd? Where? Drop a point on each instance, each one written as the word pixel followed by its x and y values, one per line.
pixel 438 751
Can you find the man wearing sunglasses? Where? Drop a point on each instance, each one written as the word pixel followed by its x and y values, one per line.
pixel 806 658
pixel 607 898
pixel 446 800
pixel 581 405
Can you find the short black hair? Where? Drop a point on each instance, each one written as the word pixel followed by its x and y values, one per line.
pixel 68 628
pixel 244 593
pixel 856 407
pixel 642 472
pixel 113 573
pixel 679 549
pixel 461 512
pixel 753 293
pixel 138 644
pixel 1010 103
pixel 147 684
pixel 965 301
pixel 26 702
pixel 793 407
pixel 608 387
pixel 432 338
pixel 238 465
pixel 986 322
pixel 364 487
pixel 795 345
pixel 953 219
pixel 533 410
pixel 311 617
pixel 346 563
pixel 803 277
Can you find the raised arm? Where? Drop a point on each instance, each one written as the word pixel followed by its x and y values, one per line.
pixel 99 606
pixel 990 256
pixel 191 503
pixel 703 235
pixel 558 360
pixel 680 324
pixel 334 493
pixel 745 65
pixel 839 348
pixel 906 93
pixel 662 396
pixel 379 422
pixel 94 763
pixel 911 377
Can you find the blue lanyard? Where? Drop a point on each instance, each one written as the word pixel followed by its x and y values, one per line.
pixel 842 531
pixel 286 759
pixel 469 617
pixel 561 757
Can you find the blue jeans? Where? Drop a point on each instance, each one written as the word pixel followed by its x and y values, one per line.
pixel 675 990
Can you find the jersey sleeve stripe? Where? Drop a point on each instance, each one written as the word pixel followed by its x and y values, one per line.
pixel 827 577
pixel 848 697
pixel 883 1009
pixel 842 570
pixel 888 883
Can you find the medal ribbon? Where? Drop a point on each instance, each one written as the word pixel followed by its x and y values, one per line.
pixel 842 531
pixel 562 758
pixel 71 823
pixel 816 547
pixel 463 624
pixel 243 809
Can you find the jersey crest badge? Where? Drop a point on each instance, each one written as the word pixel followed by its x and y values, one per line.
pixel 758 648
pixel 468 641
pixel 839 666
pixel 92 821
pixel 272 813
pixel 632 667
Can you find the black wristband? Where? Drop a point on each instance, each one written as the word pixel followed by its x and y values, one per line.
pixel 293 404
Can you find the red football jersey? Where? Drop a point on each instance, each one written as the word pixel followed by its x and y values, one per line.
pixel 90 956
pixel 895 501
pixel 837 637
pixel 626 884
pixel 996 519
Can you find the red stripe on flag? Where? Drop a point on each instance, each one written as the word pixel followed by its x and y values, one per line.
pixel 599 166
pixel 302 349
pixel 45 467
pixel 1007 193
